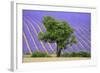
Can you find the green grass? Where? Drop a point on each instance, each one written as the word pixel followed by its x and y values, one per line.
pixel 40 54
pixel 66 54
pixel 76 54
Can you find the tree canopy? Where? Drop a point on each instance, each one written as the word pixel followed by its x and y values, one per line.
pixel 59 32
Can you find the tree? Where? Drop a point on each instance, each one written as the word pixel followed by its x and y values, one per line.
pixel 58 32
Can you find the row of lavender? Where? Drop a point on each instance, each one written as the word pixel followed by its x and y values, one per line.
pixel 32 25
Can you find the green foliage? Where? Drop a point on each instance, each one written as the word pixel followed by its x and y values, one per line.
pixel 84 54
pixel 58 32
pixel 76 54
pixel 39 54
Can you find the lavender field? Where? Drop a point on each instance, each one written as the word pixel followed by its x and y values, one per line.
pixel 32 25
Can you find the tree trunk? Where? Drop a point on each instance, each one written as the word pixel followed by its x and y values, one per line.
pixel 58 52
